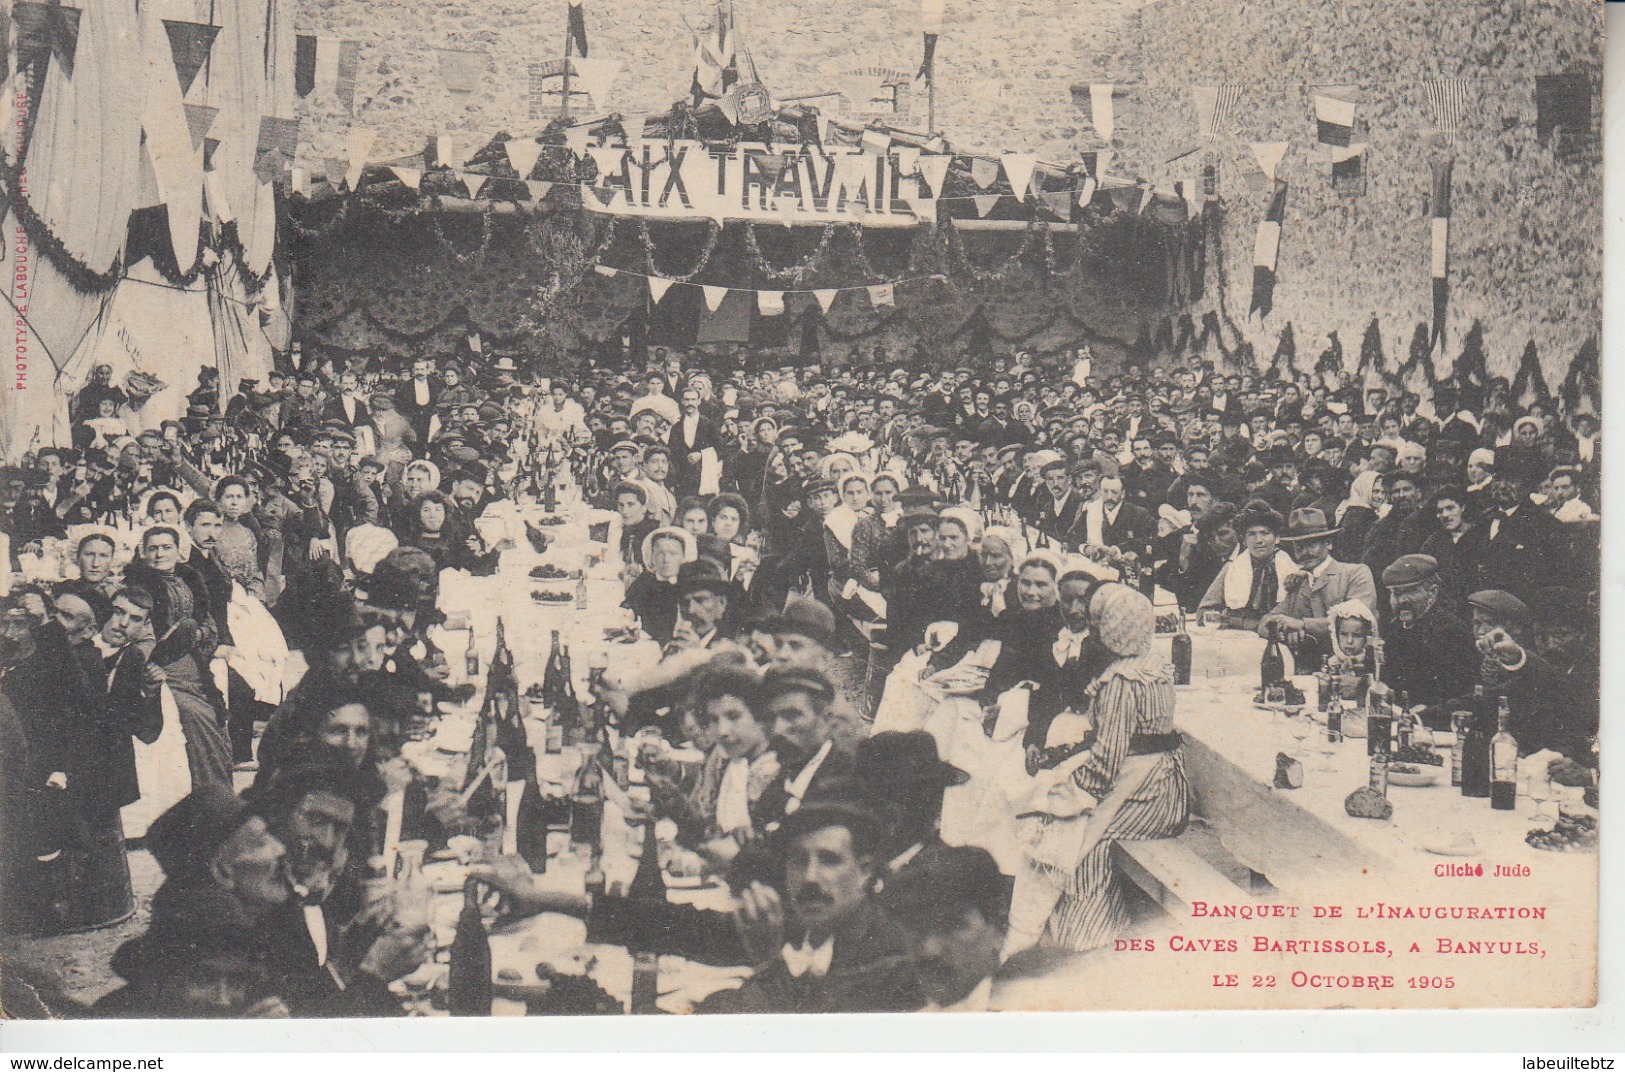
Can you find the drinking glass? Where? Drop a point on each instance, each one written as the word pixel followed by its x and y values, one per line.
pixel 1327 749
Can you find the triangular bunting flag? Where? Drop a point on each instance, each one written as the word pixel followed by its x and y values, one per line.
pixel 189 45
pixel 826 298
pixel 1057 202
pixel 281 135
pixel 875 141
pixel 883 295
pixel 357 143
pixel 770 302
pixel 304 61
pixel 1339 153
pixel 658 288
pixel 410 177
pixel 604 195
pixel 714 297
pixel 608 158
pixel 1334 120
pixel 933 169
pixel 64 26
pixel 522 154
pixel 446 152
pixel 924 208
pixel 984 203
pixel 538 190
pixel 575 138
pixel 199 118
pixel 1146 197
pixel 984 172
pixel 473 183
pixel 1018 168
pixel 598 79
pixel 1269 155
pixel 1101 109
pixel 333 170
pixel 633 125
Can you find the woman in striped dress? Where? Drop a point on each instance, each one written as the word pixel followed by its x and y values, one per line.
pixel 1132 769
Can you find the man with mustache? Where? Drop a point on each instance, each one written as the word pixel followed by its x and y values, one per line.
pixel 841 953
pixel 800 707
pixel 1431 653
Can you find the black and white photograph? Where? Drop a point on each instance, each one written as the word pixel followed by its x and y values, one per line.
pixel 557 508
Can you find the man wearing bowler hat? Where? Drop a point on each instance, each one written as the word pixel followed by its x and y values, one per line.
pixel 1304 616
pixel 902 773
pixel 1429 651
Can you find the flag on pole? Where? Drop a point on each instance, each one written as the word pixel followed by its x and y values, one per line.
pixel 714 61
pixel 1441 249
pixel 578 30
pixel 1101 109
pixel 1266 251
pixel 1448 101
pixel 1334 120
pixel 929 63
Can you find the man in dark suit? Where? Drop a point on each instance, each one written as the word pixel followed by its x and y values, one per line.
pixel 1431 653
pixel 417 398
pixel 1056 506
pixel 690 437
pixel 346 407
pixel 204 519
pixel 1110 520
pixel 1146 478
pixel 1527 546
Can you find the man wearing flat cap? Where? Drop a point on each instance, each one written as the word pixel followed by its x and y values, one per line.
pixel 1430 651
pixel 1304 616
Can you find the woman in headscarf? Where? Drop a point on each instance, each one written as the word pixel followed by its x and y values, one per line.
pixel 1128 785
pixel 998 551
pixel 653 594
pixel 1027 629
pixel 840 530
pixel 878 529
pixel 418 479
pixel 1355 516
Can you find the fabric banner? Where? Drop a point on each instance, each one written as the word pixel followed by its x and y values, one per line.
pixel 658 288
pixel 576 26
pixel 1440 267
pixel 522 155
pixel 1018 168
pixel 177 163
pixel 1266 252
pixel 883 295
pixel 462 69
pixel 928 64
pixel 770 302
pixel 714 297
pixel 349 62
pixel 189 45
pixel 1101 109
pixel 779 183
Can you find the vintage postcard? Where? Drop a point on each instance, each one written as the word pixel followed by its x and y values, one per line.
pixel 684 507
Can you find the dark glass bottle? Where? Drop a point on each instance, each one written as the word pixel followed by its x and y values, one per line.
pixel 1272 666
pixel 469 982
pixel 1181 648
pixel 1475 751
pixel 1503 762
pixel 648 888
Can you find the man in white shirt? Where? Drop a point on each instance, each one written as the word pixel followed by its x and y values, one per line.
pixel 1565 503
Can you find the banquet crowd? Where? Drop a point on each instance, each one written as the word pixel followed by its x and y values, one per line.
pixel 807 547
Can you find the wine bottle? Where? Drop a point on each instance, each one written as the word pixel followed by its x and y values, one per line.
pixel 553 674
pixel 530 834
pixel 1503 761
pixel 471 658
pixel 648 888
pixel 469 982
pixel 1475 751
pixel 1404 722
pixel 1181 648
pixel 1272 666
pixel 587 805
pixel 1458 747
pixel 581 587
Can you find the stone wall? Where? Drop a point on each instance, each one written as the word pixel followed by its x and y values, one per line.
pixel 1526 240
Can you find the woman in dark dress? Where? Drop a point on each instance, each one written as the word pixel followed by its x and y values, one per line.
pixel 653 594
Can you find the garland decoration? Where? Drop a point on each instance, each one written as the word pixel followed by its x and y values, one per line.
pixel 82 277
pixel 796 274
pixel 714 236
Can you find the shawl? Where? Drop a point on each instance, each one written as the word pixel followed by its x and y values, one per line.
pixel 1238 578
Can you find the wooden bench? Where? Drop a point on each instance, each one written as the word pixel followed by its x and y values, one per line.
pixel 1173 875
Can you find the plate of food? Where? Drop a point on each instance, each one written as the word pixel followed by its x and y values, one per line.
pixel 550 521
pixel 1414 775
pixel 549 572
pixel 552 598
pixel 1573 833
